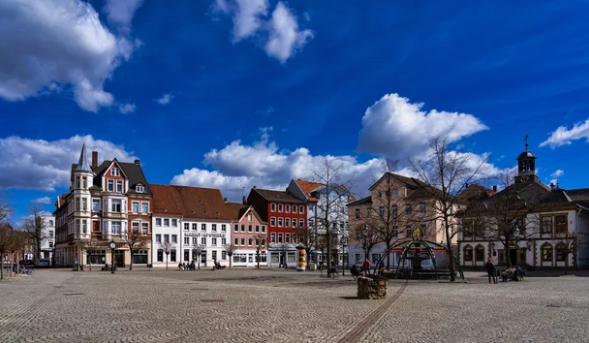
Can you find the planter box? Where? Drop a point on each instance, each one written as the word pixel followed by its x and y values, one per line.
pixel 369 288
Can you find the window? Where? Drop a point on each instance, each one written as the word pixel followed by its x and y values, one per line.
pixel 96 205
pixel 160 255
pixel 77 182
pixel 302 223
pixel 243 241
pixel 111 185
pixel 273 237
pixel 250 228
pixel 166 222
pixel 242 228
pixel 115 228
pixel 423 229
pixel 114 172
pixel 223 241
pixel 50 233
pixel 381 211
pixel 273 207
pixel 51 244
pixel 279 237
pixel 272 221
pixel 560 224
pixel 77 204
pixel 263 228
pixel 174 222
pixel 140 189
pixel 294 222
pixel 186 226
pixel 395 231
pixel 213 241
pixel 396 192
pixel 84 227
pixel 257 228
pixel 546 252
pixel 287 208
pixel 279 222
pixel 214 227
pixel 301 209
pixel 467 253
pixel 135 207
pixel 85 182
pixel 115 205
pixel 407 209
pixel 561 252
pixel 194 241
pixel 223 228
pixel 174 238
pixel 250 241
pixel 135 227
pixel 279 207
pixel 145 228
pixel 119 186
pixel 166 238
pixel 408 231
pixel 194 226
pixel 479 253
pixel 158 238
pixel 236 241
pixel 223 255
pixel 422 207
pixel 357 213
pixel 287 222
pixel 173 255
pixel 236 228
pixel 203 240
pixel 84 204
pixel 158 221
pixel 203 227
pixel 287 238
pixel 144 207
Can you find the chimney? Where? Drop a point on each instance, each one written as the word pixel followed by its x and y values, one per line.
pixel 94 160
pixel 225 199
pixel 244 200
pixel 137 162
pixel 254 187
pixel 495 188
pixel 551 186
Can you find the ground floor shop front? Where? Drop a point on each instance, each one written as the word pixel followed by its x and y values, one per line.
pixel 78 256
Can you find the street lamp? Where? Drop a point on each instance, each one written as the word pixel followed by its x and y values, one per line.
pixel 344 242
pixel 113 246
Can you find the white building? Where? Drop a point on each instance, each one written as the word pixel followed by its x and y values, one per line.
pixel 48 234
pixel 195 224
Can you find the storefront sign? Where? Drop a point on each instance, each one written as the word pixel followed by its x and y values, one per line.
pixel 198 234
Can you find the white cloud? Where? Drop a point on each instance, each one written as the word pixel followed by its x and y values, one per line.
pixel 395 128
pixel 120 12
pixel 165 99
pixel 563 136
pixel 45 165
pixel 51 45
pixel 557 173
pixel 238 167
pixel 127 108
pixel 43 200
pixel 285 37
pixel 280 33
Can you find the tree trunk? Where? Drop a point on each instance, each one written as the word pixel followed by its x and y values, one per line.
pixel 131 262
pixel 1 266
pixel 166 261
pixel 566 264
pixel 230 261
pixel 449 251
pixel 328 252
pixel 258 252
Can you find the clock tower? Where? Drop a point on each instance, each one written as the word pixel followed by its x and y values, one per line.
pixel 526 166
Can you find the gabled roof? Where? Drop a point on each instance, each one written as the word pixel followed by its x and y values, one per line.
pixel 408 181
pixel 133 172
pixel 236 210
pixel 308 187
pixel 277 196
pixel 363 201
pixel 475 193
pixel 191 202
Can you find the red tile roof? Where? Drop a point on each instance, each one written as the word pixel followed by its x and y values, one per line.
pixel 191 202
pixel 308 187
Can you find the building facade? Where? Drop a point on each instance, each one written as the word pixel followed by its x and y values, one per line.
pixel 106 202
pixel 48 234
pixel 249 238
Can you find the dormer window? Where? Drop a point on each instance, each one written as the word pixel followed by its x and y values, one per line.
pixel 114 172
pixel 140 189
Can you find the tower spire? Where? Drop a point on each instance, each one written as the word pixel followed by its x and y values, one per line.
pixel 83 164
pixel 526 140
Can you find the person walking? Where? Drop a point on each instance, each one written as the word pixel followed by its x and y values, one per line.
pixel 491 270
pixel 366 266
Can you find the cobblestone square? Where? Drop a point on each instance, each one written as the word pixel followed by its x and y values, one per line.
pixel 272 305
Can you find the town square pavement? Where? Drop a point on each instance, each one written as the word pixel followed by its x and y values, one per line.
pixel 271 305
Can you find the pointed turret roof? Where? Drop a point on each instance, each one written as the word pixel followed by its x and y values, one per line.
pixel 83 164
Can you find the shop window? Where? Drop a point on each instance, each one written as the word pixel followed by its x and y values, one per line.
pixel 546 252
pixel 479 253
pixel 468 253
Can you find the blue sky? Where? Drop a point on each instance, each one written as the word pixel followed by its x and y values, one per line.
pixel 232 93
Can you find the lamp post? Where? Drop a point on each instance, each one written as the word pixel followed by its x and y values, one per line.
pixel 365 234
pixel 113 246
pixel 344 243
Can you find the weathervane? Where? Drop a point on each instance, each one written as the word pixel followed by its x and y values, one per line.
pixel 526 140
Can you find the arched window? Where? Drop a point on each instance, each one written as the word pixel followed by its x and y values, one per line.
pixel 561 252
pixel 468 253
pixel 479 253
pixel 546 252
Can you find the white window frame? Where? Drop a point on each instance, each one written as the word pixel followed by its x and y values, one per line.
pixel 144 206
pixel 280 221
pixel 135 207
pixel 120 183
pixel 158 221
pixel 140 189
pixel 110 185
pixel 272 207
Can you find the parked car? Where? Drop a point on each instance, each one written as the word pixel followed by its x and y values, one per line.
pixel 43 263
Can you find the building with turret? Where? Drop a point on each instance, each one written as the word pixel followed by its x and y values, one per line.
pixel 106 202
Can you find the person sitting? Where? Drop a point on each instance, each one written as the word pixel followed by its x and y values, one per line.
pixel 354 271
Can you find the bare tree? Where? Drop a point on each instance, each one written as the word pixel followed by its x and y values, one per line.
pixel 443 175
pixel 197 250
pixel 330 209
pixel 5 208
pixel 566 247
pixel 166 248
pixel 135 241
pixel 6 235
pixel 90 245
pixel 260 244
pixel 229 250
pixel 35 227
pixel 18 241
